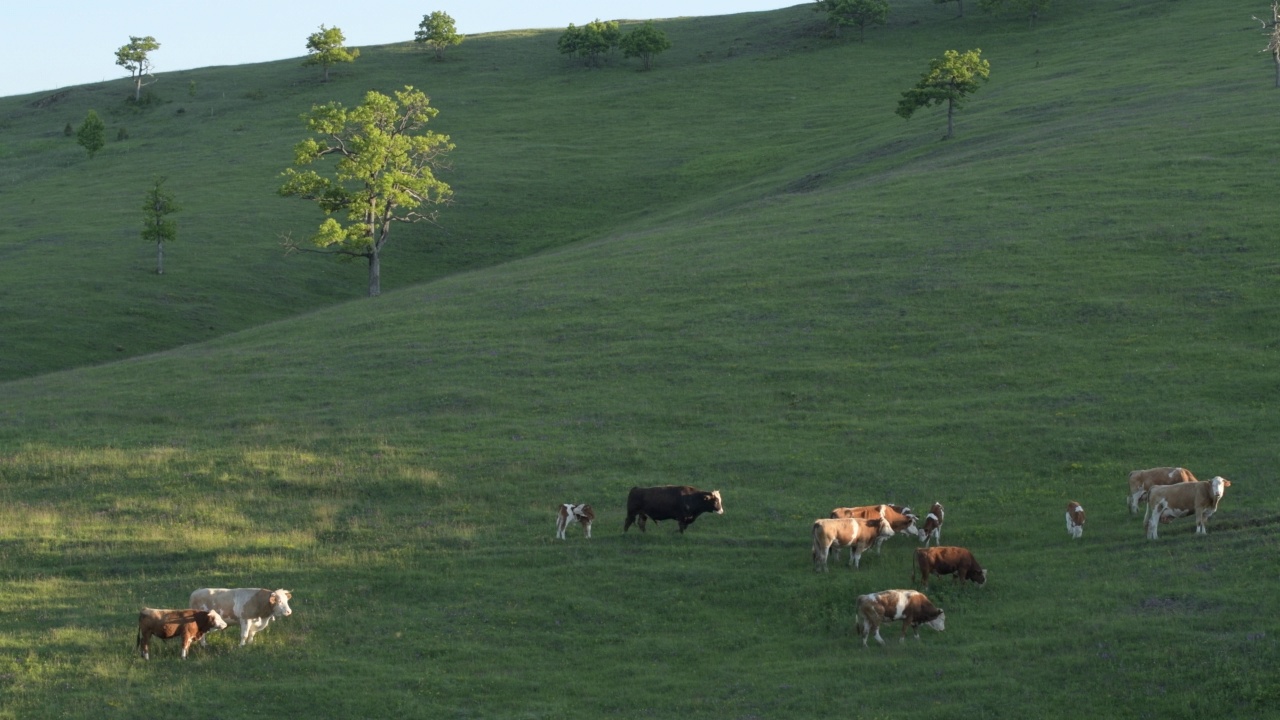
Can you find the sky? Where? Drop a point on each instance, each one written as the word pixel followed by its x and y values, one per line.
pixel 59 43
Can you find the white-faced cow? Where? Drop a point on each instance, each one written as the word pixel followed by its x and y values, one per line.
pixel 190 625
pixel 932 529
pixel 854 533
pixel 1175 501
pixel 250 608
pixel 946 560
pixel 1075 519
pixel 902 519
pixel 670 502
pixel 1141 482
pixel 569 514
pixel 909 606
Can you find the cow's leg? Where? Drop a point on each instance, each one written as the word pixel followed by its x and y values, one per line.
pixel 144 644
pixel 855 558
pixel 878 638
pixel 186 645
pixel 586 527
pixel 246 631
pixel 1134 499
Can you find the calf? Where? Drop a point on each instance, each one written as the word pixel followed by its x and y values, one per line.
pixel 570 513
pixel 1174 501
pixel 854 533
pixel 670 502
pixel 1141 482
pixel 945 560
pixel 932 526
pixel 900 518
pixel 909 606
pixel 1075 519
pixel 190 625
pixel 251 608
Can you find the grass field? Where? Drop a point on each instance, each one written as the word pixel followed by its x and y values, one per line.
pixel 739 271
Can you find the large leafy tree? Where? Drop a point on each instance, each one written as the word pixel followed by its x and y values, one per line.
pixel 156 225
pixel 135 57
pixel 1030 8
pixel 856 13
pixel 324 48
pixel 438 32
pixel 950 80
pixel 92 134
pixel 591 42
pixel 644 42
pixel 384 173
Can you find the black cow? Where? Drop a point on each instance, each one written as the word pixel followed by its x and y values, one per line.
pixel 670 502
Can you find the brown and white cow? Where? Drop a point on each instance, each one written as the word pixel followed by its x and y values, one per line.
pixel 909 606
pixel 569 514
pixel 932 526
pixel 1141 482
pixel 250 608
pixel 1175 501
pixel 1075 519
pixel 670 502
pixel 190 625
pixel 854 533
pixel 901 518
pixel 947 560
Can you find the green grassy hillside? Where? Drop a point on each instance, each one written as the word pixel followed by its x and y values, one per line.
pixel 739 271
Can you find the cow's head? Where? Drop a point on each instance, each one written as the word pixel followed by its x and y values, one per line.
pixel 884 527
pixel 1217 486
pixel 216 622
pixel 939 623
pixel 280 603
pixel 979 576
pixel 717 503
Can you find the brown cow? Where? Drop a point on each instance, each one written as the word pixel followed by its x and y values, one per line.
pixel 900 518
pixel 1141 482
pixel 932 526
pixel 854 533
pixel 1075 519
pixel 569 514
pixel 670 502
pixel 1174 501
pixel 945 560
pixel 909 606
pixel 191 625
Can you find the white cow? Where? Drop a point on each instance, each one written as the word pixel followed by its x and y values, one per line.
pixel 1173 501
pixel 250 608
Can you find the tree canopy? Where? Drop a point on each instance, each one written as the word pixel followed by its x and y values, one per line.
pixel 156 227
pixel 949 80
pixel 438 32
pixel 135 57
pixel 645 42
pixel 384 174
pixel 591 42
pixel 92 134
pixel 857 13
pixel 324 48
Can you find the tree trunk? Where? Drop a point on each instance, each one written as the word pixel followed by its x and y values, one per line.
pixel 159 258
pixel 375 274
pixel 1278 70
pixel 137 89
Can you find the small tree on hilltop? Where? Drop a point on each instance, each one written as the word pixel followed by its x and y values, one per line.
pixel 591 41
pixel 438 32
pixel 858 13
pixel 1273 37
pixel 1031 8
pixel 155 225
pixel 92 134
pixel 324 48
pixel 644 42
pixel 949 80
pixel 134 58
pixel 385 173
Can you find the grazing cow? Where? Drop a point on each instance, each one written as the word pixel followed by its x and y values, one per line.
pixel 854 533
pixel 1141 482
pixel 670 502
pixel 1174 501
pixel 945 560
pixel 900 518
pixel 570 513
pixel 1075 519
pixel 250 608
pixel 932 526
pixel 909 606
pixel 190 625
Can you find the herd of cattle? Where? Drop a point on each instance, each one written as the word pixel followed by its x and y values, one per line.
pixel 1169 493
